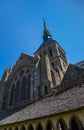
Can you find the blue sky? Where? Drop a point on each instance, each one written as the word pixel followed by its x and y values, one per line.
pixel 21 28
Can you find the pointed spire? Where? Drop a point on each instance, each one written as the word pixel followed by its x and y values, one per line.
pixel 44 24
pixel 46 33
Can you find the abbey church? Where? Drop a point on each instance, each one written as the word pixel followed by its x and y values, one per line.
pixel 43 92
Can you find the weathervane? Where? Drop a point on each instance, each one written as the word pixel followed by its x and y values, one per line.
pixel 45 25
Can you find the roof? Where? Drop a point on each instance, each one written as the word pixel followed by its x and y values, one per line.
pixel 81 62
pixel 66 101
pixel 73 76
pixel 72 72
pixel 44 44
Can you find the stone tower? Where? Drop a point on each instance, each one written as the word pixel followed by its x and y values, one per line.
pixel 31 78
pixel 50 64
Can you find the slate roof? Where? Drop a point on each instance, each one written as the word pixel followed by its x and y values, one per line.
pixel 66 101
pixel 44 44
pixel 72 72
pixel 81 62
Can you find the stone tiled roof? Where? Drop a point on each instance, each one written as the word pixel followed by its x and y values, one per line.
pixel 72 72
pixel 74 76
pixel 55 104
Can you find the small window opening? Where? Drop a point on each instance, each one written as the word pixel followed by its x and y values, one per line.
pixel 40 55
pixel 51 54
pixel 46 90
pixel 53 78
pixel 53 64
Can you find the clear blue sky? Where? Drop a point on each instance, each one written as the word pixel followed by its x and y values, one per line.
pixel 21 27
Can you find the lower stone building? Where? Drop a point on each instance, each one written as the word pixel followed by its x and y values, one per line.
pixel 42 92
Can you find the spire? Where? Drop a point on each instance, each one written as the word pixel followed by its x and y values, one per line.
pixel 44 24
pixel 46 33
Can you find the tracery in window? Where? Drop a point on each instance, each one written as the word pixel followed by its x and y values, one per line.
pixel 23 89
pixel 28 86
pixel 12 94
pixel 17 90
pixel 21 73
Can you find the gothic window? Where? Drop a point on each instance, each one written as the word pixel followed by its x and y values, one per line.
pixel 75 124
pixel 28 87
pixel 21 73
pixel 30 127
pixel 61 125
pixel 12 94
pixel 53 78
pixel 50 126
pixel 17 90
pixel 39 127
pixel 23 89
pixel 22 128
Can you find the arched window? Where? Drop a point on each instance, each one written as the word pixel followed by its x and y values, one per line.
pixel 17 91
pixel 75 124
pixel 39 127
pixel 12 94
pixel 16 128
pixel 23 89
pixel 53 78
pixel 49 126
pixel 28 86
pixel 30 127
pixel 22 128
pixel 61 125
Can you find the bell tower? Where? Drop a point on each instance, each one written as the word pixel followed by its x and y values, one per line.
pixel 52 63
